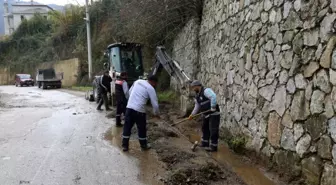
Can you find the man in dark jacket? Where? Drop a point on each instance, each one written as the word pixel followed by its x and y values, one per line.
pixel 121 89
pixel 104 88
pixel 205 101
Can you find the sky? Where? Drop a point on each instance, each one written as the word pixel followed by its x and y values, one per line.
pixel 60 2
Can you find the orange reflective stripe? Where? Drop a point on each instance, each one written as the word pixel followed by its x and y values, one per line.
pixel 119 82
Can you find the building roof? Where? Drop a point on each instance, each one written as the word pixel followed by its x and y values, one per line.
pixel 33 5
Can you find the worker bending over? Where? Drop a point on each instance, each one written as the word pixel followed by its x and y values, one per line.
pixel 139 93
pixel 205 100
pixel 121 88
pixel 104 88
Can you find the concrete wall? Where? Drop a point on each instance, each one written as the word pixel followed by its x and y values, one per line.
pixel 69 69
pixel 272 64
pixel 6 77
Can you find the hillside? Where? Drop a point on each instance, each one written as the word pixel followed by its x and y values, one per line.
pixel 63 36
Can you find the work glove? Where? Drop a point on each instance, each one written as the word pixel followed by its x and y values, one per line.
pixel 190 117
pixel 213 109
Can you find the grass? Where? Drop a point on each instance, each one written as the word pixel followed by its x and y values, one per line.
pixel 237 144
pixel 167 96
pixel 80 88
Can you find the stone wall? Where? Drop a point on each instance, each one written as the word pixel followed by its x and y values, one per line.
pixel 185 50
pixel 69 69
pixel 273 66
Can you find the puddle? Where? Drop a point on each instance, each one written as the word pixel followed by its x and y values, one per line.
pixel 249 174
pixel 150 167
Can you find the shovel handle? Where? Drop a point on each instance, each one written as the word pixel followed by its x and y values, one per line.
pixel 186 119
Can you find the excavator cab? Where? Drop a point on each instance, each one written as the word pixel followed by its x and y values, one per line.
pixel 124 58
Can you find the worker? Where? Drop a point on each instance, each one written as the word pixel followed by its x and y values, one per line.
pixel 104 88
pixel 205 101
pixel 139 93
pixel 121 88
pixel 127 63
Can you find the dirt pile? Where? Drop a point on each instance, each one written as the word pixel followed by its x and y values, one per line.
pixel 171 155
pixel 183 165
pixel 195 174
pixel 156 131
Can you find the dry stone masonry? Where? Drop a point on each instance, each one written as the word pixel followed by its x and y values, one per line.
pixel 273 65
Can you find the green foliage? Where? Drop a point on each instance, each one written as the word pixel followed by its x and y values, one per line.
pixel 237 144
pixel 168 96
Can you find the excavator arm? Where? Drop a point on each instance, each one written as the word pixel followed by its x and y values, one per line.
pixel 171 66
pixel 174 70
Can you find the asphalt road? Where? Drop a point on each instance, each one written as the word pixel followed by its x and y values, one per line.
pixel 51 137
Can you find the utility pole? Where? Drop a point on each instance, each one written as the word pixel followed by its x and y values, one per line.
pixel 88 32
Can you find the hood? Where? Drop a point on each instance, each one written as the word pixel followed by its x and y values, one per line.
pixel 26 80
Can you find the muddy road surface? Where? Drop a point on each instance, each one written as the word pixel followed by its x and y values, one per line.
pixel 56 137
pixel 52 137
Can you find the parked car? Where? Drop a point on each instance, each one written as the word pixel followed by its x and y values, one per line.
pixel 23 79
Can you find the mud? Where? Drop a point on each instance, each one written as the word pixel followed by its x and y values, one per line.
pixel 182 164
pixel 172 150
pixel 157 131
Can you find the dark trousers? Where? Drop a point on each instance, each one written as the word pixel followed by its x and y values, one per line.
pixel 139 118
pixel 121 109
pixel 103 100
pixel 210 130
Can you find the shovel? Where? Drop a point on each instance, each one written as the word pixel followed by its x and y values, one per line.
pixel 186 119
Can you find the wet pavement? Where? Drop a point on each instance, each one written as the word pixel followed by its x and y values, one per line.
pixel 52 137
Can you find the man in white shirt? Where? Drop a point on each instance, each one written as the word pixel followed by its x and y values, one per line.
pixel 140 92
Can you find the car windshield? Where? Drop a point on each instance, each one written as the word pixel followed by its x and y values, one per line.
pixel 24 76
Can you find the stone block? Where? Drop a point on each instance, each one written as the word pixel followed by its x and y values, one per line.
pixel 291 86
pixel 332 128
pixel 317 102
pixel 326 26
pixel 303 145
pixel 312 169
pixel 298 131
pixel 311 69
pixel 311 37
pixel 288 160
pixel 287 120
pixel 326 57
pixel 321 80
pixel 287 139
pixel 329 175
pixel 324 146
pixel 279 100
pixel 316 126
pixel 274 129
pixel 300 107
